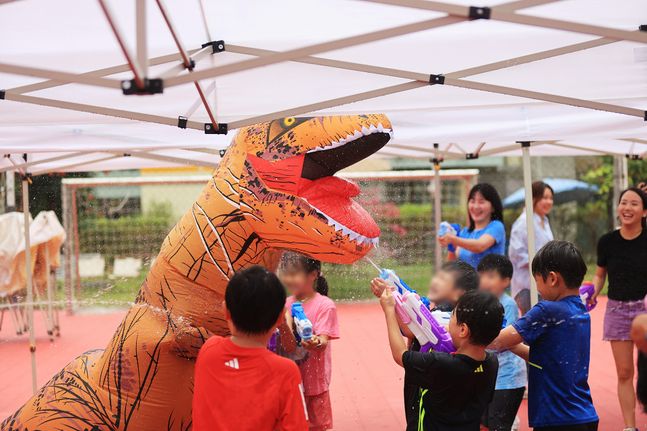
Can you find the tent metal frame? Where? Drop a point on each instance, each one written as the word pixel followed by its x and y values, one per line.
pixel 139 63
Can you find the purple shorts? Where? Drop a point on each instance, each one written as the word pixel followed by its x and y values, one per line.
pixel 618 318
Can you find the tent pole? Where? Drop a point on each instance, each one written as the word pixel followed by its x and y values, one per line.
pixel 530 221
pixel 50 296
pixel 10 182
pixel 279 57
pixel 141 29
pixel 620 179
pixel 65 197
pixel 392 89
pixel 134 67
pixel 28 270
pixel 437 207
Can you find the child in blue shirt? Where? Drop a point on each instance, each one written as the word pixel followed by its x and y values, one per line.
pixel 557 337
pixel 495 273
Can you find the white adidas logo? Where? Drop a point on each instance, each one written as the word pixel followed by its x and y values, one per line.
pixel 232 364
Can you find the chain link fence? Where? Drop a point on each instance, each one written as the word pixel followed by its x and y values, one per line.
pixel 116 225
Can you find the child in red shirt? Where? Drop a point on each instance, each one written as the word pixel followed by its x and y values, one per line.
pixel 239 384
pixel 302 277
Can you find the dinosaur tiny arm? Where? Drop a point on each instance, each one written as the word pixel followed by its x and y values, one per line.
pixel 189 340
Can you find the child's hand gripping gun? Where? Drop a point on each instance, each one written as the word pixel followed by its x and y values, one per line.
pixel 414 312
pixel 301 322
pixel 586 292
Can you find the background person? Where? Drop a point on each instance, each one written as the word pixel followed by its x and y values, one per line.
pixel 485 233
pixel 622 256
pixel 495 272
pixel 542 203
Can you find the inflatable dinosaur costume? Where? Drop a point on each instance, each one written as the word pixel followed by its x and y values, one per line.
pixel 273 190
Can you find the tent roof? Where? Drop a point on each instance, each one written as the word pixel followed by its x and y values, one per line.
pixel 73 36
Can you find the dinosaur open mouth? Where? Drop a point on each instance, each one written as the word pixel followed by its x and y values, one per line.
pixel 332 196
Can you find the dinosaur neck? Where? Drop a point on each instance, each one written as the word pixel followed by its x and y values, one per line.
pixel 206 247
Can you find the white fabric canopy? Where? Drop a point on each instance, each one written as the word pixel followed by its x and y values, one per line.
pixel 73 36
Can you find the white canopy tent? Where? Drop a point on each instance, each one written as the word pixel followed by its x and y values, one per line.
pixel 566 77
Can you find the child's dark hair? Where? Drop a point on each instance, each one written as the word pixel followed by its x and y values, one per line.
pixel 465 277
pixel 643 198
pixel 482 313
pixel 490 194
pixel 255 299
pixel 641 384
pixel 292 261
pixel 497 263
pixel 563 258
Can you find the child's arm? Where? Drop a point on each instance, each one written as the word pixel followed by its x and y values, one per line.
pixel 286 335
pixel 598 281
pixel 474 245
pixel 378 286
pixel 508 339
pixel 521 350
pixel 396 342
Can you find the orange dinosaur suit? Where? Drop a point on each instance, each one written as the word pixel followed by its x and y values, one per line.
pixel 273 190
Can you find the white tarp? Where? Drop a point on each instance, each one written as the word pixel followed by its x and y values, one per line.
pixel 73 36
pixel 46 236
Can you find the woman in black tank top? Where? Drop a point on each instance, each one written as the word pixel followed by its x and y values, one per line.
pixel 622 257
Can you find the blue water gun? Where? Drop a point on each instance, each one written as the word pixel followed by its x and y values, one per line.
pixel 447 227
pixel 302 324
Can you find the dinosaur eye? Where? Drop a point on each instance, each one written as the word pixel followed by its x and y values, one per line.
pixel 289 121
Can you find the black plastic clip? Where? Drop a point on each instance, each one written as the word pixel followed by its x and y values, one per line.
pixel 633 156
pixel 181 122
pixel 524 144
pixel 2 94
pixel 642 27
pixel 191 65
pixel 209 129
pixel 477 12
pixel 645 115
pixel 126 155
pixel 151 86
pixel 471 156
pixel 216 46
pixel 436 79
pixel 222 153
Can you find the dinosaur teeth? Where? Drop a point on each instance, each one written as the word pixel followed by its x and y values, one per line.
pixel 365 131
pixel 351 234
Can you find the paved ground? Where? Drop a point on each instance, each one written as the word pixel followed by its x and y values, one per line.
pixel 366 388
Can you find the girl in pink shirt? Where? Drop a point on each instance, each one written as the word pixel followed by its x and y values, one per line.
pixel 302 277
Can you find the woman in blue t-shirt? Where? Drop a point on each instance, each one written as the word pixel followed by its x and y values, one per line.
pixel 485 233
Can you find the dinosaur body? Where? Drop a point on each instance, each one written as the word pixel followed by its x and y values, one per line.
pixel 272 191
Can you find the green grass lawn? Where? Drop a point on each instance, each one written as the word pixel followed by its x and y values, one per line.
pixel 347 283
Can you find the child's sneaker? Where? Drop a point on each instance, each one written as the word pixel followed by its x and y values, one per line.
pixel 630 429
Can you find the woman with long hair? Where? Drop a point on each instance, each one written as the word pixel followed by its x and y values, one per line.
pixel 485 233
pixel 622 257
pixel 542 203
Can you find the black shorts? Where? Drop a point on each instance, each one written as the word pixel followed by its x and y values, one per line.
pixel 500 413
pixel 591 426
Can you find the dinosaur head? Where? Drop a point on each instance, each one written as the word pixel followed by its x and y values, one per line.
pixel 288 191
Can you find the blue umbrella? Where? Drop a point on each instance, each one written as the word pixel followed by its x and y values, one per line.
pixel 566 190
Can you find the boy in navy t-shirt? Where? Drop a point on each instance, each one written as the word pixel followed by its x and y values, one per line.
pixel 557 337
